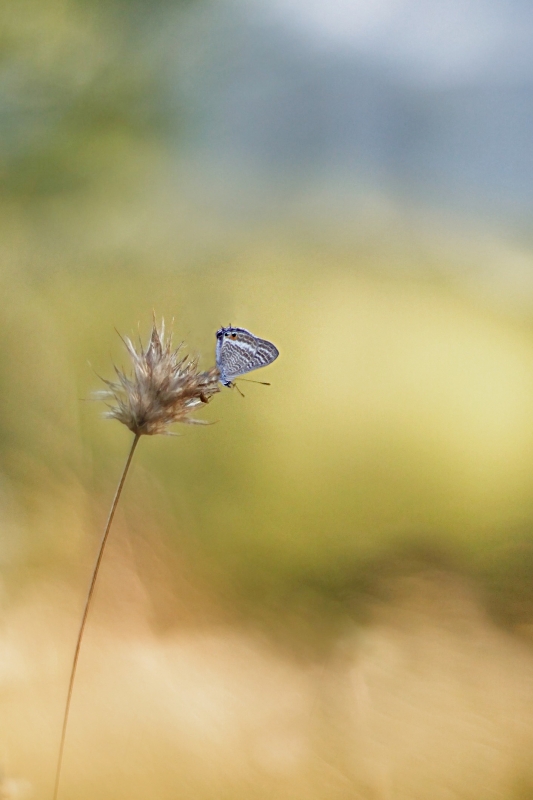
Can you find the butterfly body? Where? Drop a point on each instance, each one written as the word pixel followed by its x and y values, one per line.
pixel 239 351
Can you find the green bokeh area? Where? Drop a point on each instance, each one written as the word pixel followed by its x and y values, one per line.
pixel 398 411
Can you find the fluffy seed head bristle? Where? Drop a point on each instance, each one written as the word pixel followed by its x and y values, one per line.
pixel 163 386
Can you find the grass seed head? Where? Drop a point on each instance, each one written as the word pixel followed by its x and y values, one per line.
pixel 163 386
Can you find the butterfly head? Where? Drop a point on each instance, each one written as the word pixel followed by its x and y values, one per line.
pixel 227 333
pixel 230 333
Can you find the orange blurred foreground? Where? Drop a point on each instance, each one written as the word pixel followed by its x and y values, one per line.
pixel 429 699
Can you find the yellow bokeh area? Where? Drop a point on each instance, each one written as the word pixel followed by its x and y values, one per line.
pixel 327 592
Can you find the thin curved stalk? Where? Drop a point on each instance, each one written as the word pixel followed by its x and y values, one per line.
pixel 90 593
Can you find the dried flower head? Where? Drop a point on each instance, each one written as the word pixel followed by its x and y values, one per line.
pixel 163 387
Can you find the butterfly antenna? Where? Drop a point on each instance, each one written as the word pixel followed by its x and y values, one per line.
pixel 236 387
pixel 249 380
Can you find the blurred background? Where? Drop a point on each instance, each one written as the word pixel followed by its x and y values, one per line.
pixel 328 594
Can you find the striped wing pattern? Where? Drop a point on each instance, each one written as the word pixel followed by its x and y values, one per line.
pixel 239 351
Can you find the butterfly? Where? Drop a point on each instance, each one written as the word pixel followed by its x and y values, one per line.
pixel 239 351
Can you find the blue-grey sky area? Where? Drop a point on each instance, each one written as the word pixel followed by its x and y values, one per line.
pixel 424 41
pixel 267 104
pixel 420 99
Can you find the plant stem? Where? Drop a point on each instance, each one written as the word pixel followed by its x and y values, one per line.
pixel 90 593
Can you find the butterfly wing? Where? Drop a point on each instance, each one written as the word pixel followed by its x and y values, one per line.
pixel 235 358
pixel 240 352
pixel 265 353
